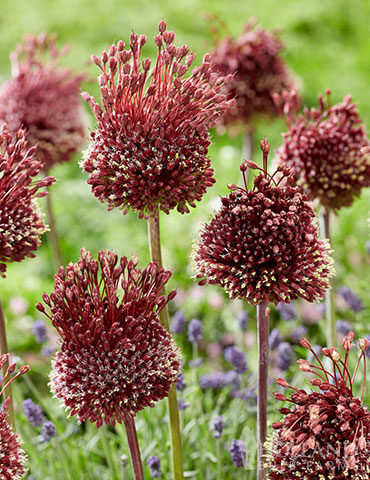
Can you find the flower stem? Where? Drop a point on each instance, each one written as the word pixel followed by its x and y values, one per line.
pixel 176 444
pixel 263 363
pixel 219 459
pixel 4 349
pixel 137 466
pixel 247 149
pixel 53 233
pixel 329 296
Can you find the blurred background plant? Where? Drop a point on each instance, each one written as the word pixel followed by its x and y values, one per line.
pixel 326 45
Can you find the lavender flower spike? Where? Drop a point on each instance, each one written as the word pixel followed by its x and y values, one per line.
pixel 154 465
pixel 195 331
pixel 48 431
pixel 238 453
pixel 33 412
pixel 237 358
pixel 351 298
pixel 218 426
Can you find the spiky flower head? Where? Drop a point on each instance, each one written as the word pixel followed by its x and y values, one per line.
pixel 325 433
pixel 263 244
pixel 44 99
pixel 258 72
pixel 150 148
pixel 12 457
pixel 327 151
pixel 21 223
pixel 115 357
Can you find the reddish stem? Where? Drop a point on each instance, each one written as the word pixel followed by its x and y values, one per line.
pixel 137 465
pixel 4 349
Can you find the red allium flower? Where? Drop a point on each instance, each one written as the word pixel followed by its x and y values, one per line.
pixel 323 434
pixel 115 358
pixel 324 148
pixel 150 148
pixel 263 244
pixel 21 223
pixel 258 72
pixel 45 100
pixel 12 457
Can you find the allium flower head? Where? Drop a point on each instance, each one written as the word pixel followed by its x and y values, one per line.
pixel 21 223
pixel 263 244
pixel 115 357
pixel 12 457
pixel 325 433
pixel 258 72
pixel 150 148
pixel 326 148
pixel 44 99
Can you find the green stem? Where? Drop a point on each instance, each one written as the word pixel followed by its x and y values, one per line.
pixel 263 364
pixel 4 349
pixel 58 260
pixel 219 459
pixel 175 435
pixel 329 296
pixel 137 465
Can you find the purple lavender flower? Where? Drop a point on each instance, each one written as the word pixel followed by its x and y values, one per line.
pixel 218 426
pixel 238 453
pixel 243 319
pixel 237 358
pixel 154 465
pixel 219 380
pixel 195 331
pixel 275 338
pixel 287 311
pixel 178 322
pixel 48 431
pixel 196 363
pixel 285 356
pixel 299 333
pixel 47 350
pixel 33 412
pixel 351 298
pixel 182 404
pixel 40 332
pixel 248 395
pixel 343 327
pixel 180 384
pixel 367 247
pixel 368 351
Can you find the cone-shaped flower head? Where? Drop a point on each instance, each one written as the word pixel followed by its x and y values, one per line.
pixel 325 433
pixel 263 244
pixel 21 223
pixel 115 357
pixel 258 72
pixel 327 151
pixel 150 148
pixel 12 457
pixel 44 99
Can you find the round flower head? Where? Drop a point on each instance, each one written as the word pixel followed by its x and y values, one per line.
pixel 326 149
pixel 44 99
pixel 150 148
pixel 325 433
pixel 115 357
pixel 258 72
pixel 12 457
pixel 263 244
pixel 21 223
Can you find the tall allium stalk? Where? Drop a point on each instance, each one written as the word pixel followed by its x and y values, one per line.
pixel 149 152
pixel 115 358
pixel 12 457
pixel 326 149
pixel 43 98
pixel 21 222
pixel 325 433
pixel 263 246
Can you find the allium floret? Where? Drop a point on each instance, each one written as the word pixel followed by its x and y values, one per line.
pixel 263 244
pixel 44 99
pixel 327 151
pixel 149 151
pixel 325 433
pixel 21 222
pixel 258 73
pixel 115 357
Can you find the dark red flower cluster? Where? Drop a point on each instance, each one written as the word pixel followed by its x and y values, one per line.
pixel 323 434
pixel 258 72
pixel 150 148
pixel 45 100
pixel 21 223
pixel 263 244
pixel 325 149
pixel 115 358
pixel 12 457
